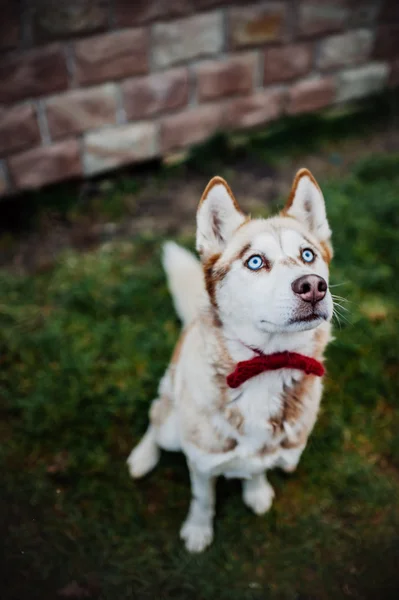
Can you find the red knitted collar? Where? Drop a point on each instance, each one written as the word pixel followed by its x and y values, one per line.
pixel 270 362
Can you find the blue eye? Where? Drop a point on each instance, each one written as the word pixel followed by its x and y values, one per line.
pixel 308 255
pixel 255 262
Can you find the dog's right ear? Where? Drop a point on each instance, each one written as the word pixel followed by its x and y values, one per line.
pixel 218 216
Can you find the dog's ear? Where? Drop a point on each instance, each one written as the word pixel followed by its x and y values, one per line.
pixel 306 204
pixel 218 216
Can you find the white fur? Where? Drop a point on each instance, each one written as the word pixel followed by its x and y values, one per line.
pixel 195 411
pixel 197 530
pixel 258 494
pixel 184 273
pixel 145 456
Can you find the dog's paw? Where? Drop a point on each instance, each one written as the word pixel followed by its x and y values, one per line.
pixel 259 498
pixel 288 465
pixel 196 537
pixel 288 468
pixel 142 459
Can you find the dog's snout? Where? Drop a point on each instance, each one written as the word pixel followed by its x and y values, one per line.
pixel 311 288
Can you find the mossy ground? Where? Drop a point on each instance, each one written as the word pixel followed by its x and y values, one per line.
pixel 82 348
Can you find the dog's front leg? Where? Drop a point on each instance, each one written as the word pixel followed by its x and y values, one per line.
pixel 258 494
pixel 197 530
pixel 290 458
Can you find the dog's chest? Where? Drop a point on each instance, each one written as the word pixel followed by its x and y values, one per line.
pixel 254 416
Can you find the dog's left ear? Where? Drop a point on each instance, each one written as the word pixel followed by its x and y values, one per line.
pixel 218 216
pixel 306 204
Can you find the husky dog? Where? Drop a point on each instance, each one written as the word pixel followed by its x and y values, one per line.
pixel 243 388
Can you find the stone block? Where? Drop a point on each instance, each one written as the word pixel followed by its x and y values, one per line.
pixel 352 47
pixel 322 16
pixel 219 78
pixel 254 110
pixel 47 164
pixel 18 129
pixel 257 24
pixel 161 92
pixel 311 94
pixel 54 20
pixel 286 62
pixel 190 127
pixel 187 39
pixel 363 81
pixel 31 74
pixel 80 110
pixel 112 56
pixel 129 13
pixel 116 146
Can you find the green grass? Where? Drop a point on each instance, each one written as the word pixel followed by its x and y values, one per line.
pixel 82 349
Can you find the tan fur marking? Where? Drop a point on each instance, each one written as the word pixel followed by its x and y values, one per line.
pixel 321 338
pixel 213 276
pixel 247 220
pixel 160 410
pixel 236 420
pixel 293 399
pixel 290 262
pixel 292 404
pixel 301 173
pixel 220 273
pixel 209 280
pixel 223 366
pixel 266 449
pixel 276 424
pixel 230 444
pixel 178 347
pixel 218 443
pixel 326 252
pixel 300 441
pixel 240 255
pixel 219 181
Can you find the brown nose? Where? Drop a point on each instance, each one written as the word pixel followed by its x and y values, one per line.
pixel 311 288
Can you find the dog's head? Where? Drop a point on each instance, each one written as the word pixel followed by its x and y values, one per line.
pixel 270 273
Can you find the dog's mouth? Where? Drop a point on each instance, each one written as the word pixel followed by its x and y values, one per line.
pixel 314 316
pixel 298 322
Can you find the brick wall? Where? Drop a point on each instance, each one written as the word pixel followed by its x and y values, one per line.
pixel 96 84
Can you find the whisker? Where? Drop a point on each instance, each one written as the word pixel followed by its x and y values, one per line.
pixel 340 309
pixel 343 317
pixel 337 304
pixel 341 298
pixel 336 317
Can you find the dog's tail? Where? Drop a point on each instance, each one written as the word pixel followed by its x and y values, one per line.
pixel 185 281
